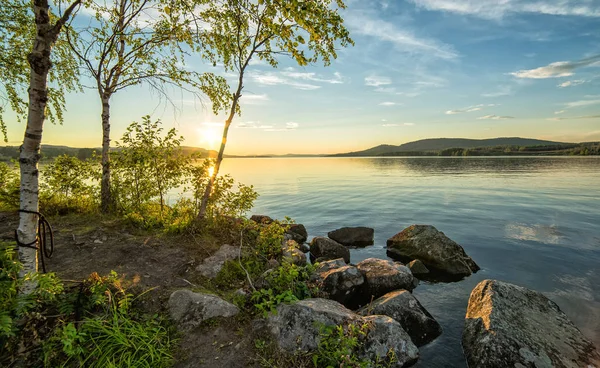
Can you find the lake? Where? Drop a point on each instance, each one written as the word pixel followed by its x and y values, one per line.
pixel 530 221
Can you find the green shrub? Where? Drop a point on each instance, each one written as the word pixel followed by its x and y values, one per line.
pixel 69 185
pixel 9 186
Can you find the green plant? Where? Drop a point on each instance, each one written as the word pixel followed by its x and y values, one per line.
pixel 9 186
pixel 69 185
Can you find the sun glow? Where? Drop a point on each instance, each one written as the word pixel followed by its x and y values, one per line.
pixel 211 170
pixel 210 135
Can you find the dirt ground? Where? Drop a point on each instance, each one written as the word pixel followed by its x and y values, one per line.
pixel 84 244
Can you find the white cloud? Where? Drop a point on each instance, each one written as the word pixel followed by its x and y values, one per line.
pixel 377 81
pixel 581 103
pixel 254 99
pixel 502 91
pixel 497 9
pixel 291 125
pixel 558 69
pixel 274 79
pixel 495 117
pixel 559 112
pixel 571 83
pixel 577 117
pixel 397 125
pixel 403 39
pixel 312 77
pixel 469 109
pixel 388 103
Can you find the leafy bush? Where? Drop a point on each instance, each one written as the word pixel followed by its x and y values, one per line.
pixel 69 185
pixel 9 187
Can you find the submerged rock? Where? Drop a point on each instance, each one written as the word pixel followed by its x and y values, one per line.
pixel 353 236
pixel 212 265
pixel 299 326
pixel 403 307
pixel 383 276
pixel 434 249
pixel 418 268
pixel 511 326
pixel 189 309
pixel 324 248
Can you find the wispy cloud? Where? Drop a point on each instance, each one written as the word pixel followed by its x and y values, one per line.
pixel 577 117
pixel 559 112
pixel 397 125
pixel 377 81
pixel 403 39
pixel 469 109
pixel 300 80
pixel 251 99
pixel 571 83
pixel 497 9
pixel 388 103
pixel 501 91
pixel 558 69
pixel 581 103
pixel 495 117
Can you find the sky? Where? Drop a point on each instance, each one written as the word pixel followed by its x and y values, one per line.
pixel 419 69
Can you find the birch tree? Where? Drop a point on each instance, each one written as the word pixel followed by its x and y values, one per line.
pixel 236 31
pixel 47 31
pixel 16 32
pixel 133 42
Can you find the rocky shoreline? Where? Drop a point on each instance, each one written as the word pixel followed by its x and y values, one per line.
pixel 505 325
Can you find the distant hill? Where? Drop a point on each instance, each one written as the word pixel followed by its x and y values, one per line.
pixel 440 144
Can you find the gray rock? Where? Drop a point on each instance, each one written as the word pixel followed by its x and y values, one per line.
pixel 304 248
pixel 261 219
pixel 418 268
pixel 298 327
pixel 403 307
pixel 386 335
pixel 511 326
pixel 433 248
pixel 298 233
pixel 341 284
pixel 324 266
pixel 189 309
pixel 325 248
pixel 383 276
pixel 353 236
pixel 212 265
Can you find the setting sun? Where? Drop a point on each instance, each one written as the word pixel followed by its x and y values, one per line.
pixel 210 137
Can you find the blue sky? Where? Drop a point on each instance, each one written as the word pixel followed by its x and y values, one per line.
pixel 420 69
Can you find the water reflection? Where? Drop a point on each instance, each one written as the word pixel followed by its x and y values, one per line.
pixel 548 234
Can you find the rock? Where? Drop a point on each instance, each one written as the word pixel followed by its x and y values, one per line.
pixel 434 249
pixel 385 336
pixel 341 284
pixel 212 265
pixel 418 268
pixel 298 326
pixel 304 248
pixel 294 255
pixel 97 241
pixel 261 219
pixel 403 307
pixel 511 326
pixel 353 236
pixel 325 266
pixel 189 309
pixel 383 276
pixel 325 248
pixel 298 233
pixel 272 263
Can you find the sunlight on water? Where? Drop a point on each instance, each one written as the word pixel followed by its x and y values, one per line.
pixel 529 221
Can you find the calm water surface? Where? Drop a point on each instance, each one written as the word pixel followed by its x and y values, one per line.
pixel 534 222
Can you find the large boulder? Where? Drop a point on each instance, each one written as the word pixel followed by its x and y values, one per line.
pixel 353 236
pixel 326 249
pixel 383 276
pixel 341 284
pixel 511 326
pixel 402 306
pixel 297 232
pixel 189 309
pixel 438 252
pixel 211 266
pixel 298 327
